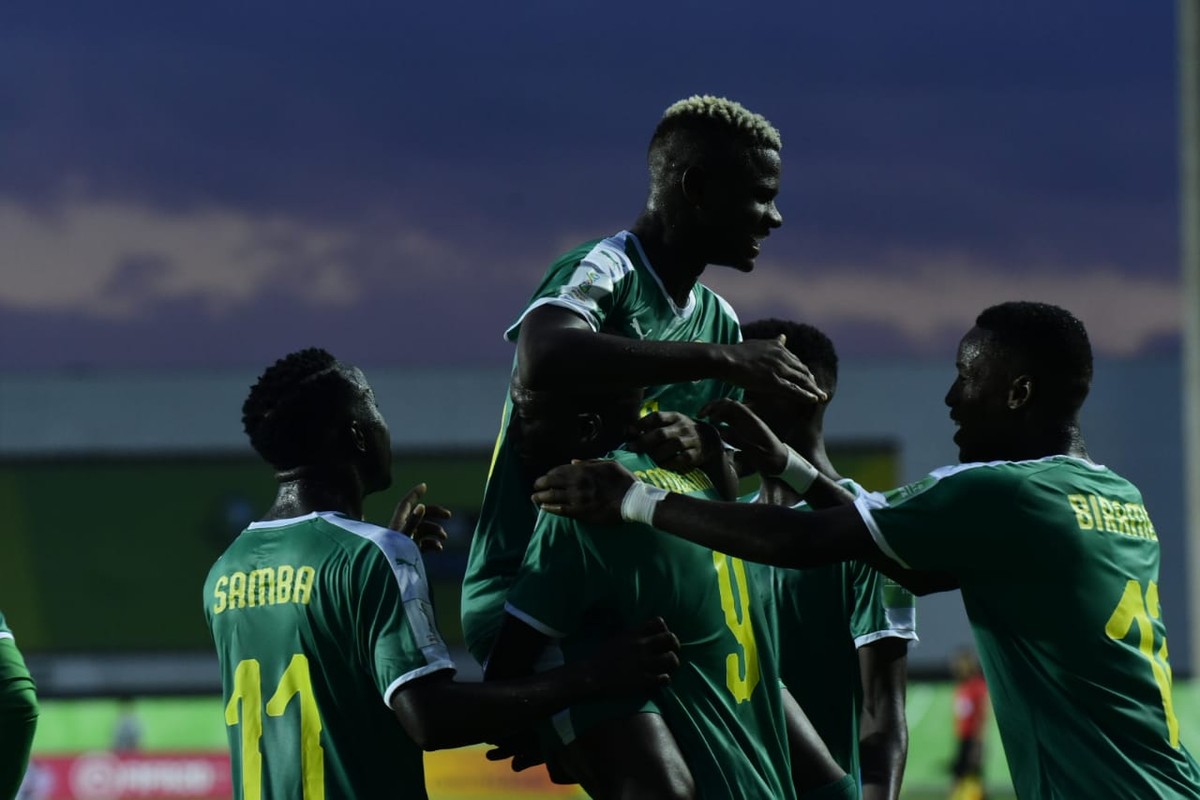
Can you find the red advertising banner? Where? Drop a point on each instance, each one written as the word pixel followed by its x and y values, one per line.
pixel 112 776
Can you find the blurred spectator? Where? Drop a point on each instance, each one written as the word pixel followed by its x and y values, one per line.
pixel 970 715
pixel 127 735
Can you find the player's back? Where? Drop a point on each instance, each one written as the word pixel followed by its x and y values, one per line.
pixel 1065 607
pixel 723 705
pixel 317 620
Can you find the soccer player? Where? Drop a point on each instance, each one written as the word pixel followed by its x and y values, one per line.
pixel 844 628
pixel 721 729
pixel 18 713
pixel 1056 556
pixel 334 674
pixel 628 310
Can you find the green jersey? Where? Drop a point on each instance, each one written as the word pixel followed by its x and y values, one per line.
pixel 833 610
pixel 611 285
pixel 1058 564
pixel 18 713
pixel 318 620
pixel 723 705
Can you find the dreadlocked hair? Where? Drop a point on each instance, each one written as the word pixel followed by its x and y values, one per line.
pixel 290 409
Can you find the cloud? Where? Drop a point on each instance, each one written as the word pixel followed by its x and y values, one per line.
pixel 930 298
pixel 104 275
pixel 116 259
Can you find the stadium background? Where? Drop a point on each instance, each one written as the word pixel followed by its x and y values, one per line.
pixel 186 196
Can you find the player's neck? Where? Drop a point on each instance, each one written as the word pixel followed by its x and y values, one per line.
pixel 1053 440
pixel 307 490
pixel 675 263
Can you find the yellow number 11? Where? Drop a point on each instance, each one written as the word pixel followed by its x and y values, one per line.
pixel 1131 609
pixel 246 706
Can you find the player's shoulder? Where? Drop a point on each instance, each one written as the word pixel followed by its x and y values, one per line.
pixel 607 257
pixel 356 534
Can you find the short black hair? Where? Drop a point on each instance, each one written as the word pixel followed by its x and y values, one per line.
pixel 1051 342
pixel 806 342
pixel 293 406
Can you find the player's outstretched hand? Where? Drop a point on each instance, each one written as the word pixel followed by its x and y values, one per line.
pixel 766 365
pixel 673 440
pixel 640 660
pixel 591 491
pixel 744 430
pixel 422 522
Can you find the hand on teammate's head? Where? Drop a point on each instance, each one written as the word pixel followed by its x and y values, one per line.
pixel 767 366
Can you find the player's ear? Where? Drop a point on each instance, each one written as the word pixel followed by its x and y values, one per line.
pixel 590 426
pixel 357 438
pixel 1020 392
pixel 692 184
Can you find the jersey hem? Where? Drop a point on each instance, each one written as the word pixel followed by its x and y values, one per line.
pixel 412 675
pixel 862 504
pixel 866 639
pixel 7 635
pixel 533 622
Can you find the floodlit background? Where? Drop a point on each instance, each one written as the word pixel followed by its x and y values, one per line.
pixel 187 194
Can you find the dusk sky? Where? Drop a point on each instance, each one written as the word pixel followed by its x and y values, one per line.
pixel 218 185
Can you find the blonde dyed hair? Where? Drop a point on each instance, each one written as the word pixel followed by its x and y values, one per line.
pixel 726 113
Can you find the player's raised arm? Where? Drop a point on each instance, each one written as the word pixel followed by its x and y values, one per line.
pixel 438 712
pixel 558 349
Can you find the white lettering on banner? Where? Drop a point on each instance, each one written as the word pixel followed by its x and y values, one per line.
pixel 109 776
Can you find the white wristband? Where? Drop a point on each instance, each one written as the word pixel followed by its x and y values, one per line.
pixel 639 502
pixel 798 473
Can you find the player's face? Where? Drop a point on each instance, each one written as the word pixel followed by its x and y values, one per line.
pixel 739 209
pixel 376 462
pixel 978 400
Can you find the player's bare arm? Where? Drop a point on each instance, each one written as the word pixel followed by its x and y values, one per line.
pixel 812 765
pixel 883 729
pixel 558 349
pixel 438 712
pixel 635 752
pixel 594 490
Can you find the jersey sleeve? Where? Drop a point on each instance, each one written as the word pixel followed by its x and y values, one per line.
pixel 955 519
pixel 395 616
pixel 592 286
pixel 882 608
pixel 563 575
